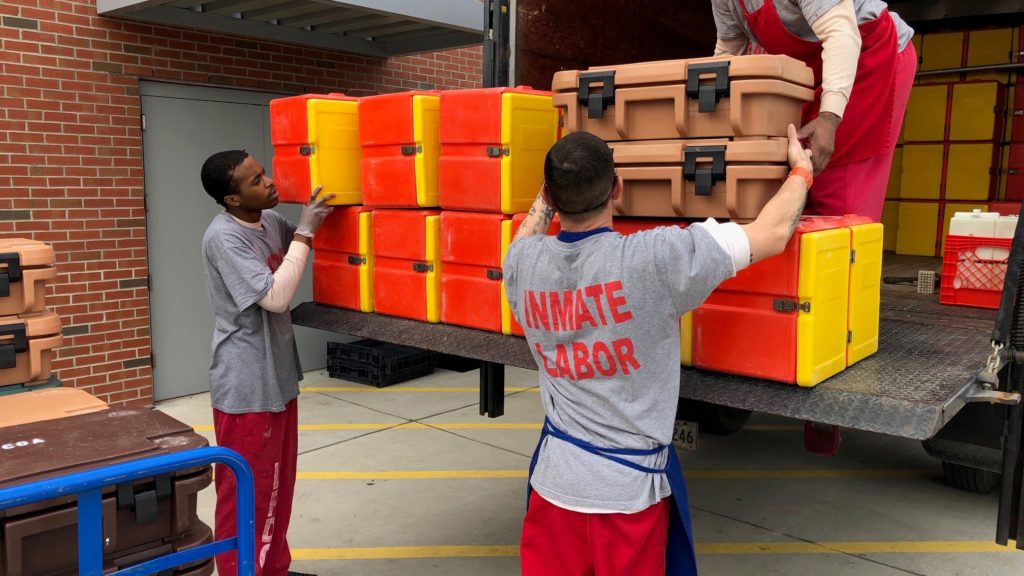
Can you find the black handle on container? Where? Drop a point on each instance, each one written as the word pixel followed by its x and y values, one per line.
pixel 10 274
pixel 705 176
pixel 707 95
pixel 9 349
pixel 596 103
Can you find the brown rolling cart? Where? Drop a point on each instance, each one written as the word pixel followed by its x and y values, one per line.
pixel 141 519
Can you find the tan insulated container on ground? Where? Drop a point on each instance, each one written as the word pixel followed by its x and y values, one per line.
pixel 48 404
pixel 25 268
pixel 699 179
pixel 723 97
pixel 26 346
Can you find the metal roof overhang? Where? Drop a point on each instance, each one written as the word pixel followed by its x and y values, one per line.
pixel 378 28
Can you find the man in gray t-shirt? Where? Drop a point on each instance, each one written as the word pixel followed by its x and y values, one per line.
pixel 254 372
pixel 601 315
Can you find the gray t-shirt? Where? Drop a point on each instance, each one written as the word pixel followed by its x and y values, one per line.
pixel 798 15
pixel 255 365
pixel 601 316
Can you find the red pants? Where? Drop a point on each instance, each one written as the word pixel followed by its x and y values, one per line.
pixel 560 542
pixel 269 443
pixel 859 187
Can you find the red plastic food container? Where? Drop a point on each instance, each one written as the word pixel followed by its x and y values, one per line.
pixel 343 259
pixel 407 264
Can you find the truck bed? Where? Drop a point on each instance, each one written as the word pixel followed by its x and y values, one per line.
pixel 914 384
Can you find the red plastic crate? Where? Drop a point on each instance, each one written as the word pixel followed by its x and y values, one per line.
pixel 973 269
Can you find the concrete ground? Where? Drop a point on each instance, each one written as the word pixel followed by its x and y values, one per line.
pixel 411 480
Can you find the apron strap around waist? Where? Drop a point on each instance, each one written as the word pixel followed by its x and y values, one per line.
pixel 681 559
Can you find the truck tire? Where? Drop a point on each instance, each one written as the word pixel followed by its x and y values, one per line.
pixel 712 418
pixel 970 479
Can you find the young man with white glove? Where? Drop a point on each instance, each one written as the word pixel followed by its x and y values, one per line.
pixel 254 372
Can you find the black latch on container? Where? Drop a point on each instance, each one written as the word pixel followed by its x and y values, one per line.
pixel 306 150
pixel 145 502
pixel 705 176
pixel 786 305
pixel 493 274
pixel 422 267
pixel 596 103
pixel 10 274
pixel 496 151
pixel 356 260
pixel 9 349
pixel 707 95
pixel 411 150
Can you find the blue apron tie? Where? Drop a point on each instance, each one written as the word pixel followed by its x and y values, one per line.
pixel 680 559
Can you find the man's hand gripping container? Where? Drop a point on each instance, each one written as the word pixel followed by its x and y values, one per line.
pixel 141 520
pixel 493 143
pixel 721 97
pixel 407 264
pixel 26 266
pixel 799 317
pixel 401 147
pixel 343 259
pixel 316 143
pixel 721 178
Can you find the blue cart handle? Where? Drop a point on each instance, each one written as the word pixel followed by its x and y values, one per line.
pixel 88 485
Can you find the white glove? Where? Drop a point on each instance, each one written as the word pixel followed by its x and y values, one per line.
pixel 313 213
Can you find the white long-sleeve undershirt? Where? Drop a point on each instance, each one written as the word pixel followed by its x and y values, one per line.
pixel 840 43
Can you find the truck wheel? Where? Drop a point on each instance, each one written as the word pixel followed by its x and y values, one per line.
pixel 970 479
pixel 712 418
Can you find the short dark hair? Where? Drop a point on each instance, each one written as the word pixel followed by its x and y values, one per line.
pixel 218 174
pixel 579 173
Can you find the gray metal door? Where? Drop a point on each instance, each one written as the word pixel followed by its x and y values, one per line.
pixel 184 124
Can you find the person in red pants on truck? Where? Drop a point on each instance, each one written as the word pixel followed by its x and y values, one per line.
pixel 601 315
pixel 864 64
pixel 254 372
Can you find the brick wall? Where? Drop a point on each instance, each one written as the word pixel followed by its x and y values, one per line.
pixel 71 154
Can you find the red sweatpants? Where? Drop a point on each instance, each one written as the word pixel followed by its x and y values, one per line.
pixel 560 542
pixel 859 187
pixel 269 443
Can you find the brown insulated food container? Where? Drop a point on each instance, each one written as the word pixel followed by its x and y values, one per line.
pixel 26 346
pixel 739 96
pixel 140 520
pixel 699 179
pixel 25 268
pixel 48 404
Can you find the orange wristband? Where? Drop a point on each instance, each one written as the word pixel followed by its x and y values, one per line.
pixel 803 173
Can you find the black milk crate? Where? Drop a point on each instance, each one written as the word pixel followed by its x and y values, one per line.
pixel 378 363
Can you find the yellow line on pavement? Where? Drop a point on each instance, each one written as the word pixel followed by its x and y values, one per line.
pixel 466 389
pixel 852 473
pixel 393 552
pixel 690 474
pixel 706 549
pixel 927 547
pixel 407 425
pixel 410 474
